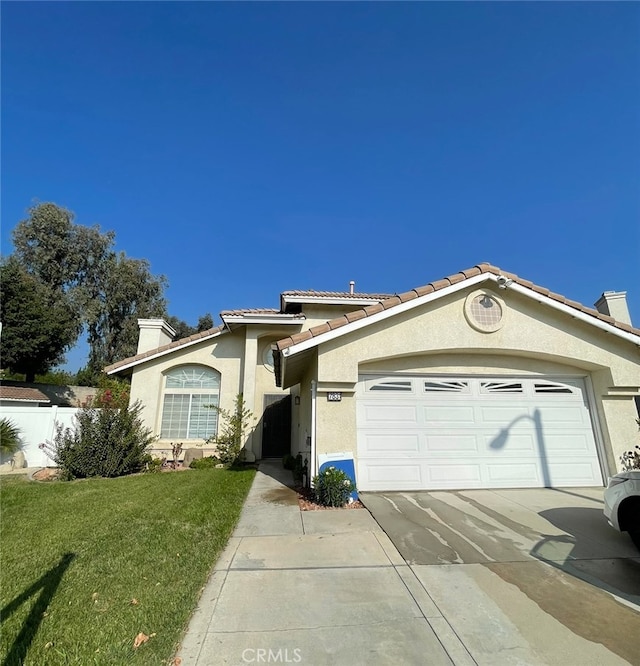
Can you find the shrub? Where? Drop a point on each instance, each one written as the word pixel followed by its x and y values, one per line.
pixel 9 437
pixel 106 442
pixel 332 487
pixel 231 438
pixel 300 469
pixel 630 460
pixel 204 463
pixel 288 461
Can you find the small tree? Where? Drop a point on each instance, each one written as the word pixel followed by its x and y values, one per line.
pixel 235 424
pixel 106 442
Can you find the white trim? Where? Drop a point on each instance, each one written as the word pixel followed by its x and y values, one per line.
pixel 464 284
pixel 165 352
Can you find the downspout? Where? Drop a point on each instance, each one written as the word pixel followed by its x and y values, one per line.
pixel 312 453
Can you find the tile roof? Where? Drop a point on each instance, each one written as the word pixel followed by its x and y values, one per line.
pixel 250 311
pixel 22 394
pixel 432 287
pixel 335 294
pixel 196 337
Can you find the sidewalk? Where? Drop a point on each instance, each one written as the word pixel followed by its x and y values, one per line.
pixel 313 587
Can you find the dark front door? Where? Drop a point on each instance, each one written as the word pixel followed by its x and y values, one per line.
pixel 276 428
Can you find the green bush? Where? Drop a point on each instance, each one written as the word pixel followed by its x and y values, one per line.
pixel 204 463
pixel 106 442
pixel 332 487
pixel 9 437
pixel 288 462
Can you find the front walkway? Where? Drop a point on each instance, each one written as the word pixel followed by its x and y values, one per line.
pixel 314 587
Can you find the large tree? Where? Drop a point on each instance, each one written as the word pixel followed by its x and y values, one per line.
pixel 128 292
pixel 39 324
pixel 99 289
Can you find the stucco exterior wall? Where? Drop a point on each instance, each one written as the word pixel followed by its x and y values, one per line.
pixel 223 354
pixel 436 338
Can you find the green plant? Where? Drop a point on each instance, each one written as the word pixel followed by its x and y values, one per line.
pixel 9 437
pixel 112 393
pixel 105 442
pixel 332 487
pixel 300 469
pixel 630 460
pixel 153 465
pixel 204 463
pixel 235 423
pixel 288 461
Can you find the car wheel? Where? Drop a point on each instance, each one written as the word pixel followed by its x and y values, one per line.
pixel 635 537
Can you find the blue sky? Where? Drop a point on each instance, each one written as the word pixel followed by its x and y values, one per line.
pixel 245 149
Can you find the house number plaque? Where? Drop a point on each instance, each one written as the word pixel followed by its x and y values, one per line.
pixel 334 396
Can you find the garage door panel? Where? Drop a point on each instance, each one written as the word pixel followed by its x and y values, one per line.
pixel 450 444
pixel 449 414
pixel 378 413
pixel 562 443
pixel 382 475
pixel 568 416
pixel 392 444
pixel 462 474
pixel 571 473
pixel 521 473
pixel 515 416
pixel 485 436
pixel 515 444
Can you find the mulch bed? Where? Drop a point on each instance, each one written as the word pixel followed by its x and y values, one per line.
pixel 307 503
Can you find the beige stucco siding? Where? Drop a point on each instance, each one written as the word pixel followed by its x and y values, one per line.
pixel 222 354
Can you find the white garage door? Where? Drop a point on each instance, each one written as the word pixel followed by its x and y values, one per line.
pixel 481 432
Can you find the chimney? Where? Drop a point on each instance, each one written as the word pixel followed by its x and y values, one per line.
pixel 614 304
pixel 154 333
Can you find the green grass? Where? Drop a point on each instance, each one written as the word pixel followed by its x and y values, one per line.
pixel 74 555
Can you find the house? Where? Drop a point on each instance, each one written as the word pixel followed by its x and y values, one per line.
pixel 19 396
pixel 479 380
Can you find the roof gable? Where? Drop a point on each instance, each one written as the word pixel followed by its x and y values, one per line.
pixel 433 290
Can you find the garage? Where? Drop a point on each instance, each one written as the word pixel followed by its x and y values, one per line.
pixel 455 432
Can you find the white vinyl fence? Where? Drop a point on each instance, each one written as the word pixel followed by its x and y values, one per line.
pixel 37 424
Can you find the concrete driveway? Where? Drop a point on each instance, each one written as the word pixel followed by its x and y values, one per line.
pixel 521 576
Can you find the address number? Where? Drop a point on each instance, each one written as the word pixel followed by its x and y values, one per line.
pixel 335 396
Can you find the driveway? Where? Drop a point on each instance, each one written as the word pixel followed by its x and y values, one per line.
pixel 525 576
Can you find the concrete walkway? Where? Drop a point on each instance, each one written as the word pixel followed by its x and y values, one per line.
pixel 314 587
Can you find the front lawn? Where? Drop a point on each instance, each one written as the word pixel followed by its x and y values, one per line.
pixel 85 566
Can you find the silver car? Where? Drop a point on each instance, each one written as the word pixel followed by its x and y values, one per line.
pixel 622 503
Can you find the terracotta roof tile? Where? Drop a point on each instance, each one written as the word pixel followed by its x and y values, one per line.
pixel 408 296
pixel 250 311
pixel 355 315
pixel 22 394
pixel 390 302
pixel 336 294
pixel 423 291
pixel 471 272
pixel 338 322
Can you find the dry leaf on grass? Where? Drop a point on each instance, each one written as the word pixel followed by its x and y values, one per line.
pixel 139 640
pixel 134 602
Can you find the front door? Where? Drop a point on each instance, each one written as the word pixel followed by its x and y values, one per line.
pixel 276 427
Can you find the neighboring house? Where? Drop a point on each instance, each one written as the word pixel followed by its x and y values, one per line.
pixel 481 379
pixel 17 396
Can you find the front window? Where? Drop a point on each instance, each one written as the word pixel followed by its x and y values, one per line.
pixel 190 393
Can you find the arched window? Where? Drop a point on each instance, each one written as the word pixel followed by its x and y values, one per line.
pixel 190 391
